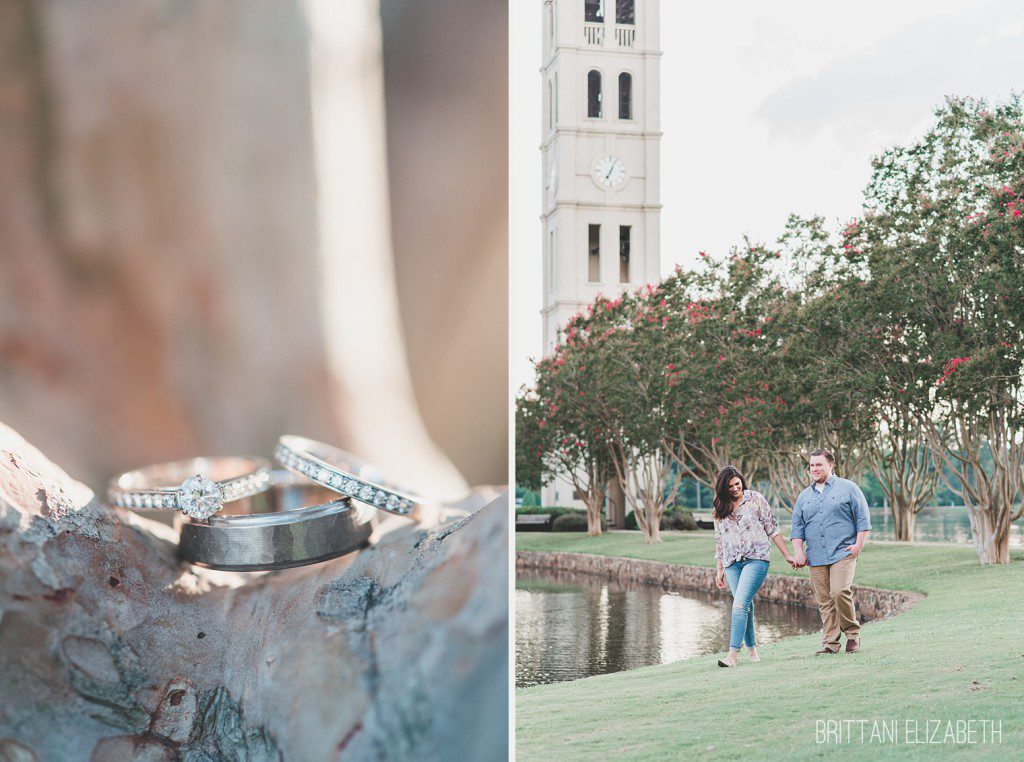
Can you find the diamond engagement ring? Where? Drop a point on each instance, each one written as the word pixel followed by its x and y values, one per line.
pixel 293 523
pixel 198 487
pixel 338 470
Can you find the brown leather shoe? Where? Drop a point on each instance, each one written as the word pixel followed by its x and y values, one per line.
pixel 852 645
pixel 825 651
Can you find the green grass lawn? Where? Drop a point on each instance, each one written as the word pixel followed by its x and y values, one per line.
pixel 957 655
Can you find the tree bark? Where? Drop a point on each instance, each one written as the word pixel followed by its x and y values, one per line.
pixel 904 515
pixel 990 540
pixel 113 649
pixel 594 501
pixel 988 492
pixel 652 534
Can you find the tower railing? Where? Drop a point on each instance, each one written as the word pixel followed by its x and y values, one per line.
pixel 625 36
pixel 593 33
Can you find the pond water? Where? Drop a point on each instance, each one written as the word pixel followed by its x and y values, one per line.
pixel 936 524
pixel 571 625
pixel 947 524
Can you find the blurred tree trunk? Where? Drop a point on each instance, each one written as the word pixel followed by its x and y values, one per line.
pixel 446 74
pixel 159 272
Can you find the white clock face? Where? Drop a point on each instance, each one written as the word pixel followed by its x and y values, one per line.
pixel 609 172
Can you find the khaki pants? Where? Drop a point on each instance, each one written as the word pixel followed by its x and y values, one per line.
pixel 834 595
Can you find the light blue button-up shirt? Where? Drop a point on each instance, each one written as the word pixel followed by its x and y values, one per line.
pixel 829 520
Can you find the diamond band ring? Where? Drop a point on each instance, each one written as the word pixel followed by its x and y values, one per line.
pixel 198 487
pixel 338 470
pixel 276 529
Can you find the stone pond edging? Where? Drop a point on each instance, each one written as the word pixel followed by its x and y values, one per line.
pixel 872 602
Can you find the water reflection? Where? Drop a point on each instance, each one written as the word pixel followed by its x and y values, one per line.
pixel 949 524
pixel 936 524
pixel 570 625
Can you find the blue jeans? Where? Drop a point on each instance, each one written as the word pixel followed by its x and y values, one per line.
pixel 745 578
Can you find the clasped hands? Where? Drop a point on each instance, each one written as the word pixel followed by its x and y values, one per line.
pixel 798 561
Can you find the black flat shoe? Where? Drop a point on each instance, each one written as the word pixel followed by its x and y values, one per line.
pixel 722 663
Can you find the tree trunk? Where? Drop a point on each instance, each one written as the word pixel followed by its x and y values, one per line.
pixel 594 500
pixel 990 540
pixel 653 533
pixel 903 519
pixel 113 649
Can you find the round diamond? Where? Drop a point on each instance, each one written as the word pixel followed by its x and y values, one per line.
pixel 366 493
pixel 351 487
pixel 199 497
pixel 379 499
pixel 393 503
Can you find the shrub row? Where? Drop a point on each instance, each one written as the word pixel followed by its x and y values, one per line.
pixel 674 519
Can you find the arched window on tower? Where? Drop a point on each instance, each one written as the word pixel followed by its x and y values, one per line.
pixel 625 95
pixel 625 11
pixel 594 94
pixel 593 11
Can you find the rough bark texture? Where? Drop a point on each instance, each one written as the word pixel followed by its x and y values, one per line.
pixel 594 500
pixel 112 649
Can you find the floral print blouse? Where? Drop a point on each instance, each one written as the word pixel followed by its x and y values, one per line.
pixel 747 532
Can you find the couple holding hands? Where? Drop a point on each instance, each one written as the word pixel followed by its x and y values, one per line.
pixel 830 526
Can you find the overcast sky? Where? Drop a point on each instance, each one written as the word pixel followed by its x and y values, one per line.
pixel 767 109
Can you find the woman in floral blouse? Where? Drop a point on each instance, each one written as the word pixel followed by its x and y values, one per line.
pixel 745 527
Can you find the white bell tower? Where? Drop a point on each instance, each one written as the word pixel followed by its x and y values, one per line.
pixel 601 146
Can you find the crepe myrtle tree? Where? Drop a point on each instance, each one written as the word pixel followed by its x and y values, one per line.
pixel 531 441
pixel 952 206
pixel 885 351
pixel 622 341
pixel 828 356
pixel 851 367
pixel 790 432
pixel 561 432
pixel 760 396
pixel 718 337
pixel 684 302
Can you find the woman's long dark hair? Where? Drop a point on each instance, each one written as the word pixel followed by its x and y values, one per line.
pixel 723 500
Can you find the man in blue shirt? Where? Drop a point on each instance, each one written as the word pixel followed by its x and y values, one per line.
pixel 831 520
